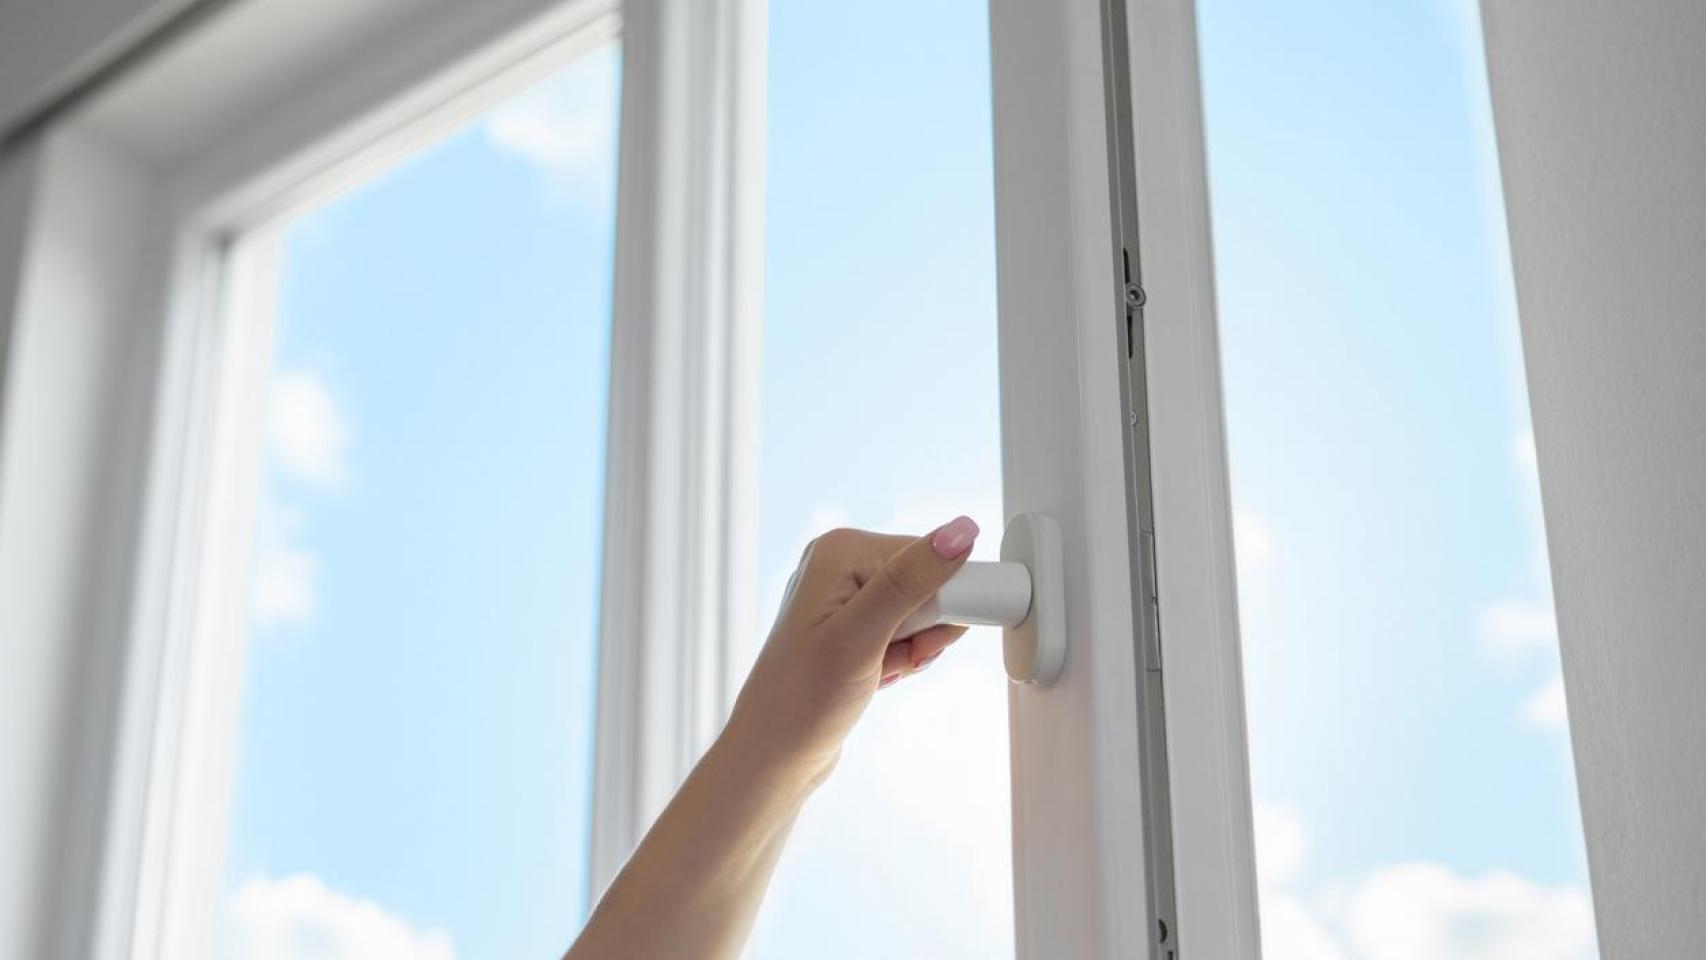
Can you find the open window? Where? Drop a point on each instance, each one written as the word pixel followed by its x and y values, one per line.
pixel 1313 457
pixel 1409 746
pixel 430 317
pixel 880 335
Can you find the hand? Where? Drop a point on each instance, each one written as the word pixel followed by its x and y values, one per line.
pixel 693 886
pixel 833 645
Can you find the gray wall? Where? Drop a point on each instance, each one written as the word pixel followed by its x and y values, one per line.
pixel 17 190
pixel 1601 116
pixel 47 46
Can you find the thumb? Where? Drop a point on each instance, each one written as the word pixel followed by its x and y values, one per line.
pixel 907 579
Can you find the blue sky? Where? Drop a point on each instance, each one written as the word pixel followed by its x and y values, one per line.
pixel 415 743
pixel 881 410
pixel 417 715
pixel 1407 743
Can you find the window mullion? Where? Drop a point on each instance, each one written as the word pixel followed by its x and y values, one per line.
pixel 678 564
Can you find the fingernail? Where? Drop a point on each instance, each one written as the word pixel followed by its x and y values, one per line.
pixel 888 680
pixel 927 660
pixel 954 538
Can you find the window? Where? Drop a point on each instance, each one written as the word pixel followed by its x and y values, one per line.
pixel 1410 765
pixel 414 761
pixel 880 402
pixel 1363 330
pixel 393 509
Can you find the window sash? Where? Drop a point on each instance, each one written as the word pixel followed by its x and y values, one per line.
pixel 1082 749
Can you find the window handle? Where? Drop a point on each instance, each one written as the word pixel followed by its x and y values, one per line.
pixel 982 594
pixel 1024 594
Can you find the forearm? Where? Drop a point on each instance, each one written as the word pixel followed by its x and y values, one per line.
pixel 693 886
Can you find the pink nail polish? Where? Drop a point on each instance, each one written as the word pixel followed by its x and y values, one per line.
pixel 891 678
pixel 954 538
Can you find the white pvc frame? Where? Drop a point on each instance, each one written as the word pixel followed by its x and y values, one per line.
pixel 1078 768
pixel 680 557
pixel 1208 746
pixel 182 257
pixel 152 239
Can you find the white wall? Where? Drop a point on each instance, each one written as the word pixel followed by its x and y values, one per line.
pixel 71 424
pixel 1601 116
pixel 47 46
pixel 67 379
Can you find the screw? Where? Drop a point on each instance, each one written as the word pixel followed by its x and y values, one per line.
pixel 1134 295
pixel 1133 418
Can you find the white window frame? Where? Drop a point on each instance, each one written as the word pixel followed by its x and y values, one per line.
pixel 169 349
pixel 1080 748
pixel 683 391
pixel 680 545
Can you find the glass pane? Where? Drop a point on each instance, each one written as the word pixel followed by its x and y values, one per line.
pixel 1410 761
pixel 416 738
pixel 881 410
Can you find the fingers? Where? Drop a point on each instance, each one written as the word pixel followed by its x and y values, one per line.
pixel 905 580
pixel 897 660
pixel 906 657
pixel 926 644
pixel 834 566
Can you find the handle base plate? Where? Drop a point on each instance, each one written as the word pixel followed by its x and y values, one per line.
pixel 1035 649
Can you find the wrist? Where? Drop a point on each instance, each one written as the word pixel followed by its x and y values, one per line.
pixel 757 755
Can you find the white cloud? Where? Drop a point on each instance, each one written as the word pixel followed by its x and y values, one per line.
pixel 1412 911
pixel 1290 930
pixel 1545 709
pixel 310 437
pixel 1424 911
pixel 566 125
pixel 283 589
pixel 296 917
pixel 1280 844
pixel 1253 542
pixel 1511 628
